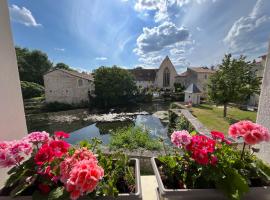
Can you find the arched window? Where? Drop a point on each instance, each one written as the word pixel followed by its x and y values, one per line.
pixel 166 77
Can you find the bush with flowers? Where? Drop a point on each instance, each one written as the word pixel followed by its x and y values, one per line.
pixel 199 161
pixel 47 167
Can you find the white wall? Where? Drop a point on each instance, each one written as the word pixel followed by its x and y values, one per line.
pixel 193 98
pixel 12 118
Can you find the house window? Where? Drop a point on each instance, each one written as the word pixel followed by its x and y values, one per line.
pixel 80 82
pixel 166 77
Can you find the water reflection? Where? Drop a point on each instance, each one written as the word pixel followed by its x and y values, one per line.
pixel 103 130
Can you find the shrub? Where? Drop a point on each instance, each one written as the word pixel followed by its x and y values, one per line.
pixel 132 138
pixel 57 106
pixel 30 89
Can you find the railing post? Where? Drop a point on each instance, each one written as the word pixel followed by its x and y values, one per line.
pixel 12 117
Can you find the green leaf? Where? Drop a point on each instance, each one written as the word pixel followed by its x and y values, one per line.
pixel 56 193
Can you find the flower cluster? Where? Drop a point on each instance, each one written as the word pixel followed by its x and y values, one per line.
pixel 252 133
pixel 80 173
pixel 13 152
pixel 37 137
pixel 201 148
pixel 180 138
pixel 219 136
pixel 51 150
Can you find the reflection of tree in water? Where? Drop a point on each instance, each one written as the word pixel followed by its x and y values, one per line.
pixel 109 127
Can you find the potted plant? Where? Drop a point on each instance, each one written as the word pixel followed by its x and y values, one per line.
pixel 211 168
pixel 47 167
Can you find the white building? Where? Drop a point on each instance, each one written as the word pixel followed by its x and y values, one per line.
pixel 193 94
pixel 67 86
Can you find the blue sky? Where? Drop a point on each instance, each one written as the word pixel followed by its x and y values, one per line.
pixel 86 34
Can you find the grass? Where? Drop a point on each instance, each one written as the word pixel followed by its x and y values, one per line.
pixel 212 116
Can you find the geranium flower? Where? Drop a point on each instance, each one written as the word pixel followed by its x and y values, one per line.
pixel 37 137
pixel 252 133
pixel 13 152
pixel 44 188
pixel 180 138
pixel 61 134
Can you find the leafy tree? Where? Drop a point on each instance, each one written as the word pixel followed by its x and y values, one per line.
pixel 30 89
pixel 32 65
pixel 234 82
pixel 63 66
pixel 179 87
pixel 113 86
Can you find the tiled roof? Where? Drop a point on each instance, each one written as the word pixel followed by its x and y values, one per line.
pixel 75 73
pixel 141 74
pixel 202 70
pixel 192 88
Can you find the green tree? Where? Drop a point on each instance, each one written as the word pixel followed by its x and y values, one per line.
pixel 234 82
pixel 63 66
pixel 32 64
pixel 113 86
pixel 179 87
pixel 30 90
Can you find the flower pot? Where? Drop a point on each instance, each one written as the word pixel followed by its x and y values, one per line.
pixel 122 196
pixel 258 193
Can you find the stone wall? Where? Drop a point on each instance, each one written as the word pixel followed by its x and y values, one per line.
pixel 63 87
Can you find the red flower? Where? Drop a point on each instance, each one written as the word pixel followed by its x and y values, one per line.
pixel 59 147
pixel 44 154
pixel 214 160
pixel 216 135
pixel 61 134
pixel 44 188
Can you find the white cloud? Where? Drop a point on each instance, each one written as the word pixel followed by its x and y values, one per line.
pixel 250 34
pixel 59 49
pixel 101 58
pixel 157 38
pixel 22 15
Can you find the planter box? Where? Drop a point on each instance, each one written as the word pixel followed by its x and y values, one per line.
pixel 122 196
pixel 255 193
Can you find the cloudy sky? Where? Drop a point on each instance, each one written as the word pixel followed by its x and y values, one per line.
pixel 86 34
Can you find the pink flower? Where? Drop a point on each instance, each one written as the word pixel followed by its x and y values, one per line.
pixel 61 134
pixel 180 138
pixel 37 137
pixel 80 173
pixel 13 152
pixel 252 133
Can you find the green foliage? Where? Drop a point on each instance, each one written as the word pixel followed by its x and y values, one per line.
pixel 32 65
pixel 132 138
pixel 57 106
pixel 30 89
pixel 113 86
pixel 179 87
pixel 63 66
pixel 234 82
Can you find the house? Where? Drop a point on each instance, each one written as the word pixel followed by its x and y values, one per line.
pixel 67 86
pixel 163 77
pixel 196 75
pixel 192 94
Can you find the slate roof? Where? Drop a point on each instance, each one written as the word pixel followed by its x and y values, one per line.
pixel 202 70
pixel 192 88
pixel 74 73
pixel 142 74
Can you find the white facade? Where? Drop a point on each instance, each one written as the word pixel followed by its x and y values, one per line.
pixel 12 117
pixel 62 86
pixel 193 98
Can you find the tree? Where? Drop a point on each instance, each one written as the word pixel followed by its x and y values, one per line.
pixel 179 87
pixel 234 82
pixel 63 66
pixel 30 90
pixel 32 64
pixel 113 86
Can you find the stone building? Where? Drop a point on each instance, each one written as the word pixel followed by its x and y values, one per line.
pixel 163 77
pixel 67 86
pixel 196 75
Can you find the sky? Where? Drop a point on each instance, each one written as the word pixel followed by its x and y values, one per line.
pixel 86 34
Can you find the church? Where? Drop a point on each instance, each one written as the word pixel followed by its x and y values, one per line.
pixel 163 77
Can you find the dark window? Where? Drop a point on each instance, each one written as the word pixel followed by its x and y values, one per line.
pixel 166 77
pixel 80 82
pixel 50 91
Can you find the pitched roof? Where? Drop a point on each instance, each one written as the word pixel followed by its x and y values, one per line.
pixel 74 73
pixel 141 74
pixel 202 70
pixel 192 88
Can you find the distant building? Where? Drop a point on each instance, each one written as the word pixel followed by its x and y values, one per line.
pixel 192 94
pixel 67 86
pixel 196 75
pixel 163 77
